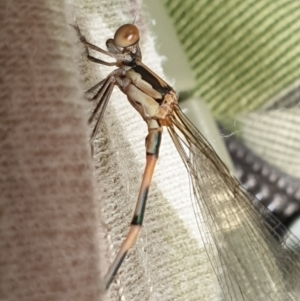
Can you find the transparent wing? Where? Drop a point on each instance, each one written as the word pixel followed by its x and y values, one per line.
pixel 243 240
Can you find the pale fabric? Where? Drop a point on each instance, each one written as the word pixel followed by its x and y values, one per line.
pixel 274 135
pixel 51 242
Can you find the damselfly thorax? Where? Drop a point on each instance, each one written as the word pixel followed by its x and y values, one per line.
pixel 151 96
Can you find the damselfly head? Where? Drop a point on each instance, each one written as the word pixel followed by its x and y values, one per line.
pixel 126 35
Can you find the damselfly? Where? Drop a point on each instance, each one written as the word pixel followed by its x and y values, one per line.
pixel 237 231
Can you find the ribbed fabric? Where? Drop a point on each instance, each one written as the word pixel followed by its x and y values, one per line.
pixel 49 247
pixel 242 52
pixel 245 58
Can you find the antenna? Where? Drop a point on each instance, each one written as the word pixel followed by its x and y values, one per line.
pixel 134 19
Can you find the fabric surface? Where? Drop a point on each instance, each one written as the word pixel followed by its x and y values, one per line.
pixel 49 244
pixel 245 60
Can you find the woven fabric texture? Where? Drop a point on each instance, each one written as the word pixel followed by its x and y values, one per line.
pixel 49 246
pixel 245 60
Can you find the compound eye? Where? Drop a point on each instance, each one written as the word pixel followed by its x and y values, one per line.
pixel 126 35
